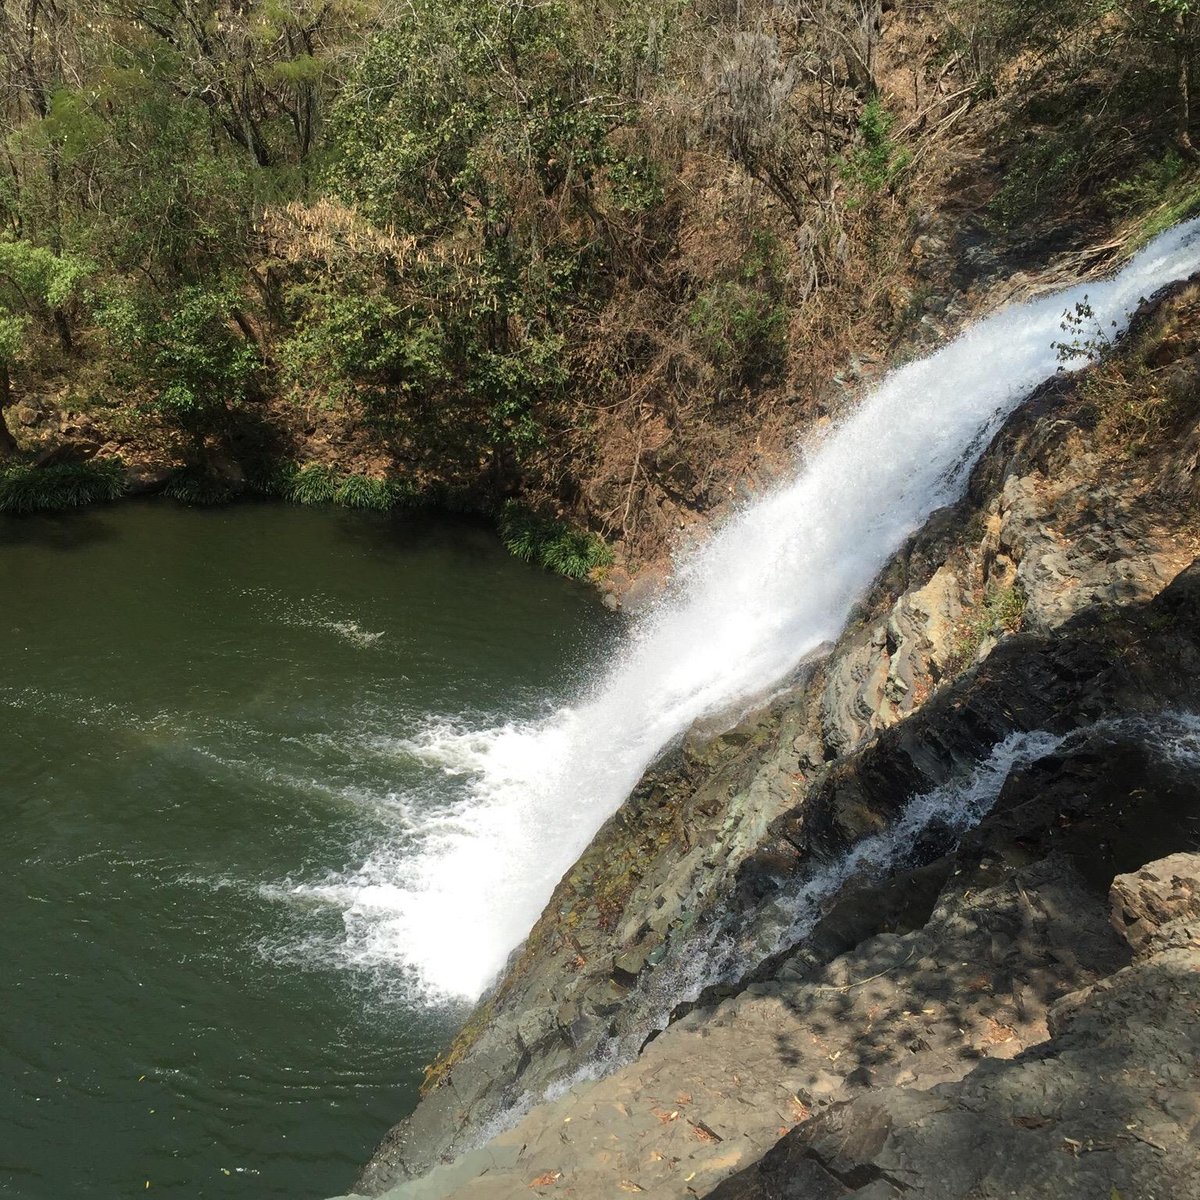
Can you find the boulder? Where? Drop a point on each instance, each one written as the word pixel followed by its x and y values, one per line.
pixel 1144 901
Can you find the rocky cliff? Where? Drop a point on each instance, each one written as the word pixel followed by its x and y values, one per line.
pixel 871 919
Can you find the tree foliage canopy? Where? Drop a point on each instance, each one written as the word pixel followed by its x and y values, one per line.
pixel 492 231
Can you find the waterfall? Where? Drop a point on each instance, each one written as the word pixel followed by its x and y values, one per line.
pixel 769 587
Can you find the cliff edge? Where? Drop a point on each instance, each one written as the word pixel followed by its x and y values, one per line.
pixel 863 915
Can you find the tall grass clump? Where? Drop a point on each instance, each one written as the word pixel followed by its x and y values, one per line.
pixel 25 488
pixel 318 484
pixel 550 543
pixel 272 478
pixel 361 491
pixel 313 484
pixel 196 487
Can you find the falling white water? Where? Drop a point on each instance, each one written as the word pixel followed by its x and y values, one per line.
pixel 775 582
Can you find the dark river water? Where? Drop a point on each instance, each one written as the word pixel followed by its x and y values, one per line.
pixel 200 710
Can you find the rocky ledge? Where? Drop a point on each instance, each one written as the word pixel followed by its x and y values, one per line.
pixel 871 918
pixel 1109 1105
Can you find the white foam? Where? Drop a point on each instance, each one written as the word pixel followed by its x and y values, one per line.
pixel 311 612
pixel 745 609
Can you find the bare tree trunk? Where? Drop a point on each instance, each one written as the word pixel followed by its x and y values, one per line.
pixel 1183 107
pixel 63 327
pixel 8 443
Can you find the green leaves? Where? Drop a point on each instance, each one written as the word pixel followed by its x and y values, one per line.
pixel 72 125
pixel 316 483
pixel 741 323
pixel 199 361
pixel 360 491
pixel 877 161
pixel 37 275
pixel 12 335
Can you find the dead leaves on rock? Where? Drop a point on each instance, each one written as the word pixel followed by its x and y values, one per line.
pixel 997 1034
pixel 549 1179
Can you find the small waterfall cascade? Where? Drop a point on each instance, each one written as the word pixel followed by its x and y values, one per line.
pixel 743 610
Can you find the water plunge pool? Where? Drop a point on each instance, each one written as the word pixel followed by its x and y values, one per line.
pixel 209 721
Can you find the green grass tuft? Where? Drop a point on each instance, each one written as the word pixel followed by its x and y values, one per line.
pixel 313 484
pixel 273 478
pixel 26 489
pixel 196 487
pixel 1003 611
pixel 1160 194
pixel 360 491
pixel 318 484
pixel 552 544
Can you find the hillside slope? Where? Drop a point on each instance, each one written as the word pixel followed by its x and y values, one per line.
pixel 609 261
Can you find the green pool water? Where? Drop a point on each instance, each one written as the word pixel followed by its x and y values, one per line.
pixel 197 710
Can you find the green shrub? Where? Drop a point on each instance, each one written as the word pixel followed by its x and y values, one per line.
pixel 876 163
pixel 1145 187
pixel 318 484
pixel 635 184
pixel 313 484
pixel 742 329
pixel 273 478
pixel 1003 612
pixel 25 488
pixel 1041 176
pixel 741 322
pixel 1161 194
pixel 513 385
pixel 1084 336
pixel 550 543
pixel 200 366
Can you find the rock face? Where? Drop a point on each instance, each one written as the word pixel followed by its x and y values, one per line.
pixel 1146 900
pixel 1108 1106
pixel 1059 596
pixel 931 979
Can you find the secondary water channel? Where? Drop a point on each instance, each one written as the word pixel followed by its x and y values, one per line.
pixel 209 722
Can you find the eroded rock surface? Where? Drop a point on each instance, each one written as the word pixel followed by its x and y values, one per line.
pixel 1108 1106
pixel 717 1088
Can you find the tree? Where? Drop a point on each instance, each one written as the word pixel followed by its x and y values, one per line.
pixel 201 364
pixel 36 285
pixel 1173 23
